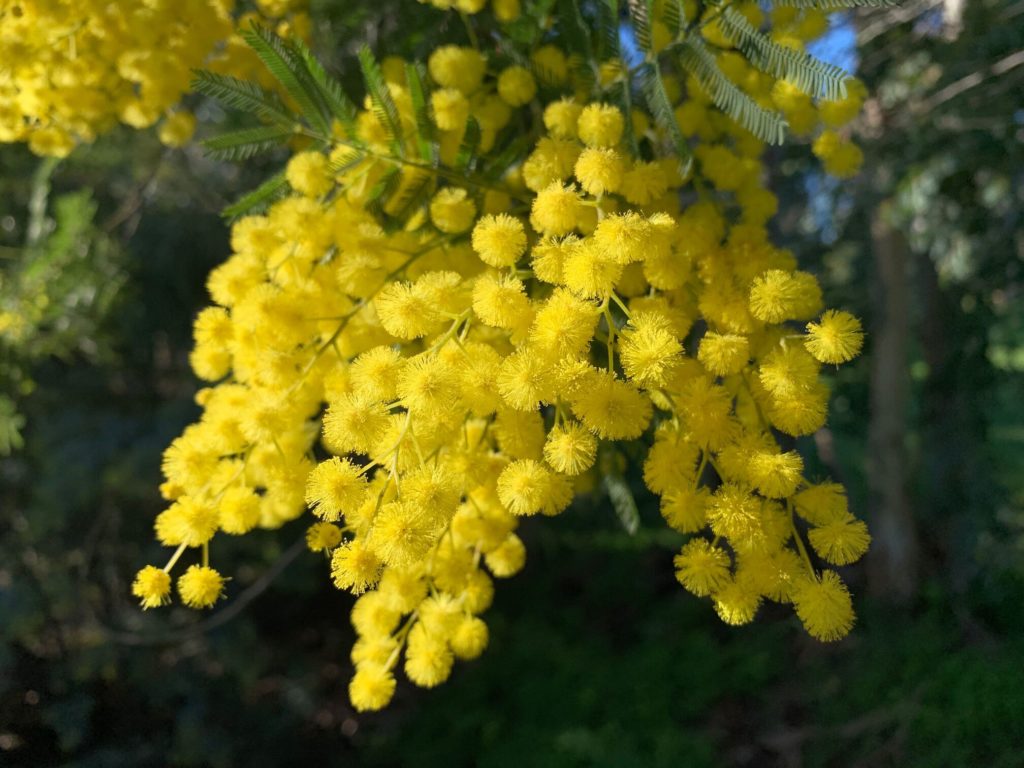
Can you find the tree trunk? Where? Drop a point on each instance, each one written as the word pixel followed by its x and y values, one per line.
pixel 892 562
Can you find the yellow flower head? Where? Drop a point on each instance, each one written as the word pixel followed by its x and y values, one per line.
pixel 600 125
pixel 599 170
pixel 560 118
pixel 152 586
pixel 556 210
pixel 701 567
pixel 570 448
pixel 499 240
pixel 836 338
pixel 452 210
pixel 200 586
pixel 372 687
pixel 824 606
pixel 516 86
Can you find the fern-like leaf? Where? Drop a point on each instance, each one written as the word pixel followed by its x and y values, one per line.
pixel 660 107
pixel 574 29
pixel 765 124
pixel 674 16
pixel 247 142
pixel 465 159
pixel 384 108
pixel 333 95
pixel 810 75
pixel 241 95
pixel 259 198
pixel 425 140
pixel 621 96
pixel 411 196
pixel 382 191
pixel 828 5
pixel 288 68
pixel 640 16
pixel 623 502
pixel 608 25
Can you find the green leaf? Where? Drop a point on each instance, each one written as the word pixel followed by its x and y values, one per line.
pixel 608 25
pixel 259 198
pixel 242 95
pixel 382 191
pixel 660 107
pixel 576 34
pixel 465 159
pixel 834 4
pixel 810 75
pixel 574 29
pixel 425 140
pixel 287 66
pixel 674 16
pixel 411 196
pixel 621 96
pixel 245 143
pixel 11 424
pixel 623 502
pixel 640 16
pixel 694 56
pixel 333 95
pixel 346 162
pixel 516 148
pixel 384 108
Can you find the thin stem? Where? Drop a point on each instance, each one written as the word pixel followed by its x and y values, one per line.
pixel 174 558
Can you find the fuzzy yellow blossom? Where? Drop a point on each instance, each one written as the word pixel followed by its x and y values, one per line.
pixel 499 240
pixel 152 586
pixel 824 606
pixel 200 586
pixel 451 108
pixel 600 125
pixel 649 349
pixel 599 170
pixel 570 449
pixel 474 303
pixel 836 338
pixel 372 687
pixel 516 86
pixel 556 210
pixel 723 353
pixel 452 210
pixel 560 118
pixel 307 174
pixel 701 567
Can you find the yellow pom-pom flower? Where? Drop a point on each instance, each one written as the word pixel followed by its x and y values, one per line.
pixel 452 210
pixel 600 125
pixel 836 338
pixel 200 586
pixel 516 86
pixel 152 586
pixel 372 687
pixel 701 567
pixel 570 448
pixel 599 170
pixel 824 606
pixel 723 354
pixel 499 240
pixel 840 542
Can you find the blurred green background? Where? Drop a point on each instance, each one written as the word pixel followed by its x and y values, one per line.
pixel 597 657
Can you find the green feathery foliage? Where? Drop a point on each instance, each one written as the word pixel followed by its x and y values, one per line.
pixel 811 75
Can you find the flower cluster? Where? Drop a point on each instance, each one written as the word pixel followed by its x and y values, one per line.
pixel 421 388
pixel 75 68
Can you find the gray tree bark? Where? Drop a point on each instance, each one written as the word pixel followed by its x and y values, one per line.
pixel 893 558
